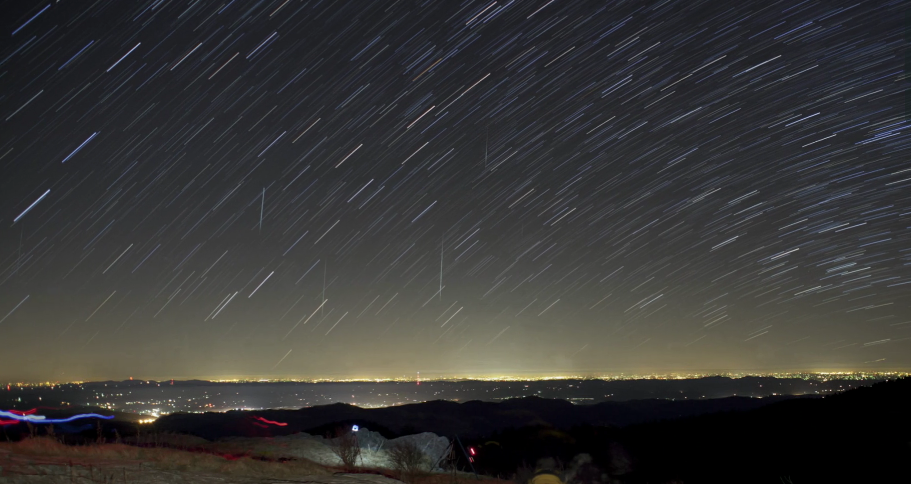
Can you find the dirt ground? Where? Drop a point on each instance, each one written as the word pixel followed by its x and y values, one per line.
pixel 44 460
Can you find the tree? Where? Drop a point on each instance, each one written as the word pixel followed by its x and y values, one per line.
pixel 345 446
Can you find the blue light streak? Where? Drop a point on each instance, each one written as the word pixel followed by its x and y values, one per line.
pixel 45 420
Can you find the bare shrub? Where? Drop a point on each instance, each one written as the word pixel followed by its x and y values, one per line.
pixel 407 459
pixel 345 446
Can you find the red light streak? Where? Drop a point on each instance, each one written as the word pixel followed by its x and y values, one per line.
pixel 24 412
pixel 271 422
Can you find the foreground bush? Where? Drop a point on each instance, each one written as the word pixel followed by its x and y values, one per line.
pixel 407 460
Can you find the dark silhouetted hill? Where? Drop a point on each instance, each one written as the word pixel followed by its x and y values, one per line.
pixel 468 420
pixel 862 435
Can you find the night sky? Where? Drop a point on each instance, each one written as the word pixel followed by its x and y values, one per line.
pixel 283 187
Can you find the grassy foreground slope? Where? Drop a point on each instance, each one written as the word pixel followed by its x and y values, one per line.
pixel 44 460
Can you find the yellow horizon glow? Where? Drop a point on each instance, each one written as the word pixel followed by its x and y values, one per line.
pixel 683 375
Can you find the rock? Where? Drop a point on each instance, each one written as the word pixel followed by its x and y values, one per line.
pixel 369 440
pixel 318 449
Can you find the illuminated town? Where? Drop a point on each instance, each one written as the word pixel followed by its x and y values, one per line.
pixel 151 399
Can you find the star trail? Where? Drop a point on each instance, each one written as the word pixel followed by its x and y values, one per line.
pixel 309 188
